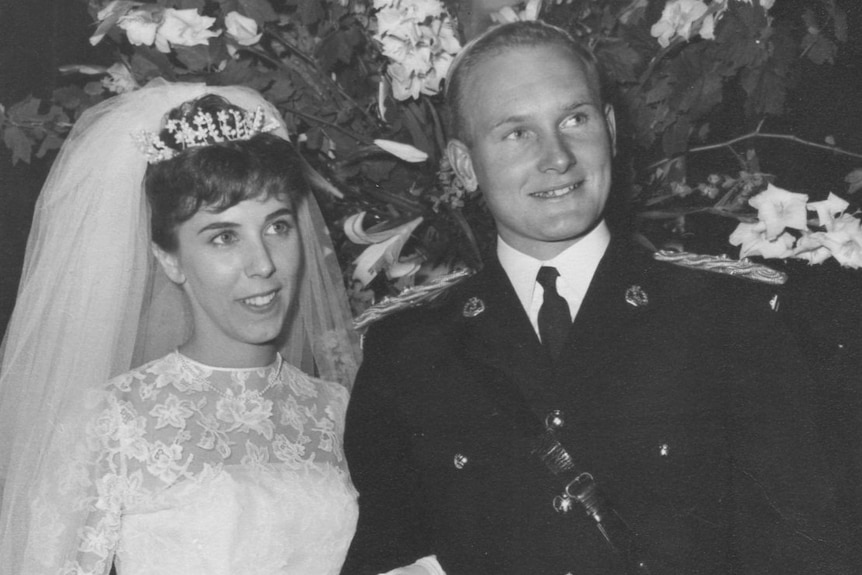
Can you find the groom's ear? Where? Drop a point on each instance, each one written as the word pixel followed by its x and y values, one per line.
pixel 170 264
pixel 461 161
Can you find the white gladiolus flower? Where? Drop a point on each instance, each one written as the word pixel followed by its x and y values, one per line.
pixel 827 210
pixel 184 28
pixel 779 209
pixel 418 38
pixel 140 27
pixel 242 29
pixel 677 20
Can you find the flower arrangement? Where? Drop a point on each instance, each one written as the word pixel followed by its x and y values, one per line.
pixel 783 229
pixel 358 82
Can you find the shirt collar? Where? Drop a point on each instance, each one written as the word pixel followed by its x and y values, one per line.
pixel 577 264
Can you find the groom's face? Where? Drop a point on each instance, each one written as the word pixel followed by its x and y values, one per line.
pixel 538 144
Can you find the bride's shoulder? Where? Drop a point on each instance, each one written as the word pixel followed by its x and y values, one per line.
pixel 153 374
pixel 326 392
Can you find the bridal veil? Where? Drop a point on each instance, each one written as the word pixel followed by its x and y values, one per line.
pixel 92 302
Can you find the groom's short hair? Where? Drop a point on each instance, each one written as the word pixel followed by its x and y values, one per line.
pixel 498 39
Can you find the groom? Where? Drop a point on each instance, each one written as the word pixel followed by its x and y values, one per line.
pixel 673 393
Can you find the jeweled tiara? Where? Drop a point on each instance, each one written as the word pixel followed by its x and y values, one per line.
pixel 203 131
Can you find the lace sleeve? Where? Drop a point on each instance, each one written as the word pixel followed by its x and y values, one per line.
pixel 76 511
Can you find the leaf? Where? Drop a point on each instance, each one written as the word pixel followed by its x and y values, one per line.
pixel 311 12
pixel 659 92
pixel 143 69
pixel 17 141
pixel 190 4
pixel 619 60
pixel 854 178
pixel 156 58
pixel 839 23
pixel 51 142
pixel 69 97
pixel 282 90
pixel 237 72
pixel 819 49
pixel 704 94
pixel 336 48
pixel 767 92
pixel 26 110
pixel 377 170
pixel 260 10
pixel 675 139
pixel 195 58
pixel 417 134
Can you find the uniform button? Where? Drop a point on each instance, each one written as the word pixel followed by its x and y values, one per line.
pixel 460 460
pixel 555 420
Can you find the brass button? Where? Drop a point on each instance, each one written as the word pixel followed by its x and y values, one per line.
pixel 555 420
pixel 460 460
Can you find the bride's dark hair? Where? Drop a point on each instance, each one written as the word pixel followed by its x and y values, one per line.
pixel 219 175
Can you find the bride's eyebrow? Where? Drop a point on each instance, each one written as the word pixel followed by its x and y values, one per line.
pixel 279 213
pixel 218 226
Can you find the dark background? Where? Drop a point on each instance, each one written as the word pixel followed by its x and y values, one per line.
pixel 38 36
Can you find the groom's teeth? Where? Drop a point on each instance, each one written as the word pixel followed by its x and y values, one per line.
pixel 260 300
pixel 554 193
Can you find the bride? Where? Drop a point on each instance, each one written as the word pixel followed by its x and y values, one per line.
pixel 214 311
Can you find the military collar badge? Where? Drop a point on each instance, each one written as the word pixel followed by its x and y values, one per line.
pixel 473 307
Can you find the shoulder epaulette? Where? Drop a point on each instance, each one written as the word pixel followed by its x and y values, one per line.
pixel 410 297
pixel 723 264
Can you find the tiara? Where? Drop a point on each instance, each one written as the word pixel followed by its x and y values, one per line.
pixel 227 126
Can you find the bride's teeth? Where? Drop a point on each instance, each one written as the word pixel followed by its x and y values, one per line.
pixel 260 300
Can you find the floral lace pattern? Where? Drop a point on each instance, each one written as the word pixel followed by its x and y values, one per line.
pixel 186 468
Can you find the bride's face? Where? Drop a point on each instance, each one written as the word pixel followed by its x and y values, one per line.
pixel 240 270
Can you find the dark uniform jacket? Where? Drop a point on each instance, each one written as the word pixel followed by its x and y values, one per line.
pixel 677 390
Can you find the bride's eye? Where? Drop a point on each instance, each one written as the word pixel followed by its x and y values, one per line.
pixel 224 238
pixel 281 227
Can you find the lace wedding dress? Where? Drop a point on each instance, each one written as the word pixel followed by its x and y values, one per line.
pixel 194 470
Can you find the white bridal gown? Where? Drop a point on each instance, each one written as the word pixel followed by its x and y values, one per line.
pixel 195 470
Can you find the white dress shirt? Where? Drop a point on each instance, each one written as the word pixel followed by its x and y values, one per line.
pixel 576 264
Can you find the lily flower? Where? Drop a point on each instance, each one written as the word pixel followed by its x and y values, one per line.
pixel 384 251
pixel 404 152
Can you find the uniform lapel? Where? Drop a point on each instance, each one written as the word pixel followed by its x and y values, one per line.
pixel 614 299
pixel 501 336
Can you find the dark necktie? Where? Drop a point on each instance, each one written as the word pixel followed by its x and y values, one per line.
pixel 554 318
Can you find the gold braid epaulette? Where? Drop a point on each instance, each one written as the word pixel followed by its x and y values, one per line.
pixel 743 268
pixel 410 297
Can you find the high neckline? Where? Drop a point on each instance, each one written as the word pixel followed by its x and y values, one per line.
pixel 273 365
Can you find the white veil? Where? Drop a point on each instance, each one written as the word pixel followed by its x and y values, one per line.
pixel 92 303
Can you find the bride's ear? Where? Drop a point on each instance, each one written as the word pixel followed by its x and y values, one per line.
pixel 170 264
